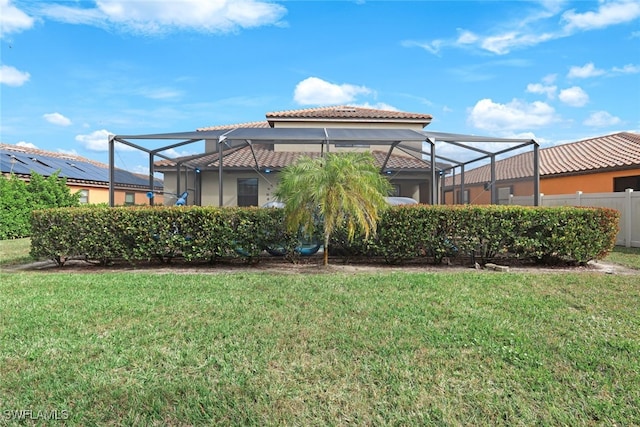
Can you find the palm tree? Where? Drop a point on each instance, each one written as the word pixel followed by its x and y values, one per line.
pixel 343 189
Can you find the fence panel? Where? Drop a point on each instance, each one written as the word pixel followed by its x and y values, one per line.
pixel 627 203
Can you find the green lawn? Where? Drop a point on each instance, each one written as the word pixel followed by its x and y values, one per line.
pixel 629 257
pixel 15 251
pixel 473 348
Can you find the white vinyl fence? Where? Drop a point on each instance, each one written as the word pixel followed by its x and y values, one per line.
pixel 628 203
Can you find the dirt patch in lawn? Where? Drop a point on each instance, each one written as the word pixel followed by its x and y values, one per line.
pixel 313 265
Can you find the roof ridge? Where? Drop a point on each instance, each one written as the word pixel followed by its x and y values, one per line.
pixel 54 154
pixel 254 124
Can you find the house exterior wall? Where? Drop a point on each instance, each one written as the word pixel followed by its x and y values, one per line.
pixel 599 182
pixel 211 145
pixel 479 196
pixel 408 185
pixel 100 193
pixel 348 124
pixel 412 185
pixel 592 182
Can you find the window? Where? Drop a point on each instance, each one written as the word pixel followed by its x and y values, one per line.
pixel 504 195
pixel 129 199
pixel 462 198
pixel 84 197
pixel 247 191
pixel 395 190
pixel 624 182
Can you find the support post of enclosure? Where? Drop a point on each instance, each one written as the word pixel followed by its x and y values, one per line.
pixel 220 199
pixel 111 170
pixel 493 189
pixel 536 174
pixel 463 200
pixel 434 184
pixel 151 182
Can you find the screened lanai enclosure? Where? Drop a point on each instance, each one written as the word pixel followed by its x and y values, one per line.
pixel 239 166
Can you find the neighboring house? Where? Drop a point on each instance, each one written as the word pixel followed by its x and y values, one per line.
pixel 89 177
pixel 608 163
pixel 251 170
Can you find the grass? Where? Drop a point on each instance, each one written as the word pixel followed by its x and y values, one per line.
pixel 471 348
pixel 629 257
pixel 15 251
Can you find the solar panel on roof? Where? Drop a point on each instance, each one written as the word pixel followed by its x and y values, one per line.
pixel 23 163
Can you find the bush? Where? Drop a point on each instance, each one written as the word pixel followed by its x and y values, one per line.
pixel 19 198
pixel 481 233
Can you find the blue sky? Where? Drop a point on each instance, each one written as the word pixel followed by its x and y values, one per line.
pixel 72 72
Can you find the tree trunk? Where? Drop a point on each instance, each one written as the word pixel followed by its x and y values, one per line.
pixel 325 260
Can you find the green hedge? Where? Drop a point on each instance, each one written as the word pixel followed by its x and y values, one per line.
pixel 18 198
pixel 477 233
pixel 545 235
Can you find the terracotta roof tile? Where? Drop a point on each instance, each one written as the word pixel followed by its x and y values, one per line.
pixel 243 158
pixel 260 124
pixel 346 112
pixel 605 152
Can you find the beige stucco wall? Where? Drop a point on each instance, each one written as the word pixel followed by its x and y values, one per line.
pixel 409 184
pixel 267 183
pixel 211 145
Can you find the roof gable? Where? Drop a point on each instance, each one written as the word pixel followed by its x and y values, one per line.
pixel 346 112
pixel 339 113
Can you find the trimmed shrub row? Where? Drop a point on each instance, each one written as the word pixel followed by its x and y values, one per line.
pixel 482 233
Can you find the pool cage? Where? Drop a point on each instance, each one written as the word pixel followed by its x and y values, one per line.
pixel 446 156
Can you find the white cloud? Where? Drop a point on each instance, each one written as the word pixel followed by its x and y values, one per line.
pixel 160 17
pixel 539 88
pixel 11 76
pixel 504 43
pixel 627 69
pixel 377 106
pixel 587 70
pixel 26 144
pixel 57 119
pixel 173 153
pixel 549 79
pixel 161 93
pixel 466 37
pixel 12 19
pixel 537 25
pixel 516 115
pixel 608 13
pixel 315 91
pixel 574 96
pixel 601 119
pixel 71 152
pixel 433 46
pixel 99 141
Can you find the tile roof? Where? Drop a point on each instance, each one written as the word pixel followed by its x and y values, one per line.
pixel 243 158
pixel 260 124
pixel 619 150
pixel 23 161
pixel 347 112
pixel 338 112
